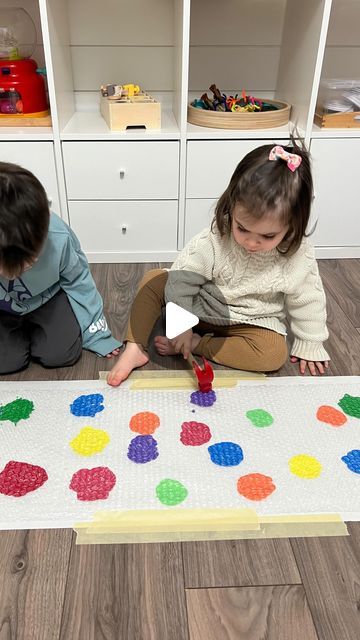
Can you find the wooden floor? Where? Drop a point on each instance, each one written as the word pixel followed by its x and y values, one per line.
pixel 299 589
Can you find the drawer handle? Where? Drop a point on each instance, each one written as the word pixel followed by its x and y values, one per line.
pixel 122 174
pixel 124 228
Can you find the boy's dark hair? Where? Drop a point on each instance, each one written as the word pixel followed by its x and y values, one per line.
pixel 24 218
pixel 263 186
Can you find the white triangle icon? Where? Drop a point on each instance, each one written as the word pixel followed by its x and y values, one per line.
pixel 178 320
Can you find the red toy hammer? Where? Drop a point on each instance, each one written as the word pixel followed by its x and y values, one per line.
pixel 204 374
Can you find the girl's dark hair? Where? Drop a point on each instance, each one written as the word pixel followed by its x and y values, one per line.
pixel 24 218
pixel 264 186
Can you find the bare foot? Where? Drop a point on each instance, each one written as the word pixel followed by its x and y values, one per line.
pixel 164 347
pixel 132 357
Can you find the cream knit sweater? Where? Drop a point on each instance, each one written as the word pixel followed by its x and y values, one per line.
pixel 223 284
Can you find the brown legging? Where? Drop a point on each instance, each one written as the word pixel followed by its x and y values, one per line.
pixel 239 346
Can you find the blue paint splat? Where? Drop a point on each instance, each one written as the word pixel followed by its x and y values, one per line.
pixel 352 460
pixel 226 454
pixel 87 405
pixel 143 449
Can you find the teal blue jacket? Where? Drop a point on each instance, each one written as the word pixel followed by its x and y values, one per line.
pixel 61 265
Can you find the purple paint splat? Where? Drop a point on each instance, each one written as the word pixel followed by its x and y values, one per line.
pixel 203 399
pixel 87 405
pixel 143 449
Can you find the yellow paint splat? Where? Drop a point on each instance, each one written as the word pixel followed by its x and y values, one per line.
pixel 305 466
pixel 90 441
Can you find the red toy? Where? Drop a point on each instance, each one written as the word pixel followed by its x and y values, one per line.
pixel 205 374
pixel 22 90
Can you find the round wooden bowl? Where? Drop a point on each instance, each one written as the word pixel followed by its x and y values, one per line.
pixel 241 119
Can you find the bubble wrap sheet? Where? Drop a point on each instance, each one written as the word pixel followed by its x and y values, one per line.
pixel 44 438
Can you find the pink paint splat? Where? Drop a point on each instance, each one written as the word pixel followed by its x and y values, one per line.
pixel 19 478
pixel 194 433
pixel 93 484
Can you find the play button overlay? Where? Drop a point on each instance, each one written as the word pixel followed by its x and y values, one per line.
pixel 170 302
pixel 178 320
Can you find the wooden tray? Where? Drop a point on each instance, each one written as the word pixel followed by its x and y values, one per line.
pixel 338 120
pixel 241 120
pixel 23 121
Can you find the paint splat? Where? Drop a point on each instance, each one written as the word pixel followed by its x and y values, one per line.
pixel 17 410
pixel 19 478
pixel 203 399
pixel 226 454
pixel 143 449
pixel 171 492
pixel 260 418
pixel 93 484
pixel 305 466
pixel 352 460
pixel 88 405
pixel 331 416
pixel 255 486
pixel 145 422
pixel 90 441
pixel 194 433
pixel 350 405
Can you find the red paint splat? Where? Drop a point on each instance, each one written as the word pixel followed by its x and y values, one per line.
pixel 330 415
pixel 255 486
pixel 194 433
pixel 93 484
pixel 19 478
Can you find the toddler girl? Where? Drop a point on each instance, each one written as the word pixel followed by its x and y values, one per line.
pixel 242 276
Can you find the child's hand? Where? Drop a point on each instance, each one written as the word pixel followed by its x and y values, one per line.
pixel 313 366
pixel 113 353
pixel 182 343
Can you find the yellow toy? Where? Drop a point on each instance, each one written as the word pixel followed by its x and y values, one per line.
pixel 131 89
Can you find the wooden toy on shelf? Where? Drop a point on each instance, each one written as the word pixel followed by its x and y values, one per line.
pixel 124 106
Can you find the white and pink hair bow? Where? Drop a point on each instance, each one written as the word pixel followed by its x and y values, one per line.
pixel 292 160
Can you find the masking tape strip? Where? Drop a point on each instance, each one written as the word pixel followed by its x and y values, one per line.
pixel 185 379
pixel 174 520
pixel 178 383
pixel 181 525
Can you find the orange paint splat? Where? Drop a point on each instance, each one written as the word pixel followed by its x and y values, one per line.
pixel 144 422
pixel 255 486
pixel 330 415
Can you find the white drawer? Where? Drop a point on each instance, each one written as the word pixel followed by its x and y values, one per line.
pixel 37 157
pixel 198 215
pixel 125 226
pixel 335 213
pixel 121 170
pixel 211 163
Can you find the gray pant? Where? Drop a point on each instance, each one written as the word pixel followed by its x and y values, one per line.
pixel 49 335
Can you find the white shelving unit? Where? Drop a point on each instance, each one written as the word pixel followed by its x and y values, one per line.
pixel 139 195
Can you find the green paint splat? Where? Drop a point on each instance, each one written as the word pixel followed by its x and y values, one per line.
pixel 19 409
pixel 260 418
pixel 350 405
pixel 171 492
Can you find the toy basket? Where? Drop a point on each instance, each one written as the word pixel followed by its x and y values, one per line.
pixel 241 120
